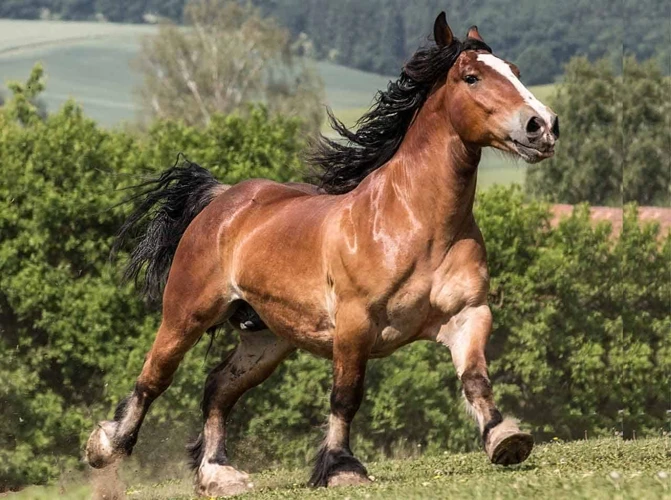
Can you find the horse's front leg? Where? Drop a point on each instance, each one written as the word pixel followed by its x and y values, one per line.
pixel 335 465
pixel 466 335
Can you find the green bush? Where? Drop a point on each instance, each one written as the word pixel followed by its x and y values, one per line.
pixel 72 338
pixel 580 343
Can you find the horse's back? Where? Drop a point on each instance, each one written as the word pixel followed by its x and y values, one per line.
pixel 270 246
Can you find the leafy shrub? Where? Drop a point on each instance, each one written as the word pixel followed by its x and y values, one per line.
pixel 71 336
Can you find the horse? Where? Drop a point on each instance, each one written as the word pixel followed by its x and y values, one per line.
pixel 382 251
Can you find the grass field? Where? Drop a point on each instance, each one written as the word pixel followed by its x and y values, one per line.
pixel 90 62
pixel 594 469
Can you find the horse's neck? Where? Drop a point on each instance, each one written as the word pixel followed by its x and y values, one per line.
pixel 434 173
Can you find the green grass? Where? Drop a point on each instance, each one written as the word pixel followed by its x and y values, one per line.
pixel 543 93
pixel 91 63
pixel 86 61
pixel 603 468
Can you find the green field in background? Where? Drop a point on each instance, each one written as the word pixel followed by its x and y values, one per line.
pixel 90 62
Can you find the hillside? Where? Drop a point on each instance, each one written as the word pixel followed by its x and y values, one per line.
pixel 376 35
pixel 90 62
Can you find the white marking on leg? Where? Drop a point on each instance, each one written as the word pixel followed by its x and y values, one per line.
pixel 337 432
pixel 213 434
pixel 475 414
pixel 503 68
pixel 105 443
pixel 132 415
pixel 458 333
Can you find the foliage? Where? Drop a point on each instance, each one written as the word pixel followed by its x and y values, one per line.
pixel 615 136
pixel 580 342
pixel 378 35
pixel 228 57
pixel 26 103
pixel 646 131
pixel 69 333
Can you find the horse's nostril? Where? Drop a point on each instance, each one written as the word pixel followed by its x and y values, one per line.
pixel 555 127
pixel 534 126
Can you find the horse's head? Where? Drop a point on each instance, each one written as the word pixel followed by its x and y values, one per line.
pixel 489 106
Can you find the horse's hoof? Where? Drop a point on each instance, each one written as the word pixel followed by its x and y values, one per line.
pixel 348 479
pixel 222 481
pixel 100 451
pixel 507 445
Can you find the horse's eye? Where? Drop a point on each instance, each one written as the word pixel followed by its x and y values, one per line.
pixel 471 79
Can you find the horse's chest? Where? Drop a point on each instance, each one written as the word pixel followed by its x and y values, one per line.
pixel 403 317
pixel 460 288
pixel 421 308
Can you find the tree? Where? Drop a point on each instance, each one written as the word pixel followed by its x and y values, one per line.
pixel 378 35
pixel 615 136
pixel 226 57
pixel 587 166
pixel 646 129
pixel 73 9
pixel 122 10
pixel 536 63
pixel 22 9
pixel 26 104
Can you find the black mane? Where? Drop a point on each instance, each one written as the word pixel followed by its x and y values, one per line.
pixel 342 165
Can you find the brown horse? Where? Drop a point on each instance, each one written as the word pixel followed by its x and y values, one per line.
pixel 385 252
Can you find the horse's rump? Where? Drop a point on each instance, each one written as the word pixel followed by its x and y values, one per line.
pixel 271 238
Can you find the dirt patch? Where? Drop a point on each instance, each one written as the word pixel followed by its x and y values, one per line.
pixel 106 484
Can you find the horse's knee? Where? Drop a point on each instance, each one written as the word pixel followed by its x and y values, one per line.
pixel 156 376
pixel 167 352
pixel 476 385
pixel 215 382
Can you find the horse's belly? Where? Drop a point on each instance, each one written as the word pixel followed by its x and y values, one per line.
pixel 319 343
pixel 298 318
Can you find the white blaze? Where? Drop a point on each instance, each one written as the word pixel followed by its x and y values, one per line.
pixel 503 68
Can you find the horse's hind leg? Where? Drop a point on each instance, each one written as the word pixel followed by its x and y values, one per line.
pixel 504 442
pixel 253 361
pixel 186 316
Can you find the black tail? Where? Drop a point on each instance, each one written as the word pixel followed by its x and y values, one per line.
pixel 168 205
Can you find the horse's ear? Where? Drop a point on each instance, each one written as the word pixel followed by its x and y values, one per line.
pixel 473 33
pixel 442 33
